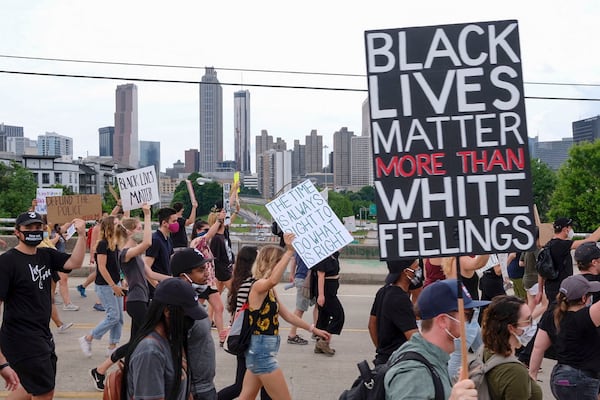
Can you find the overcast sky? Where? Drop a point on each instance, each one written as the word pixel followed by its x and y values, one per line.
pixel 558 45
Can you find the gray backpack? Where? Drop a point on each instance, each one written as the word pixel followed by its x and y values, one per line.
pixel 478 370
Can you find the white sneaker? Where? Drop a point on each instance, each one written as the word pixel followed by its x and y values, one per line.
pixel 63 328
pixel 70 307
pixel 86 347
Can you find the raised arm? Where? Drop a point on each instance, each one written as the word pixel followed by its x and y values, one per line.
pixel 78 252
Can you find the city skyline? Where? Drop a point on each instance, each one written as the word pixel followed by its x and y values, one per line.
pixel 551 45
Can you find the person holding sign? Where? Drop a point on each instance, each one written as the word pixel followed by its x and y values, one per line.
pixel 26 346
pixel 108 287
pixel 179 238
pixel 438 308
pixel 265 310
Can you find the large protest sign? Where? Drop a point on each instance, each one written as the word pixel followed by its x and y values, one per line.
pixel 40 197
pixel 303 211
pixel 138 187
pixel 62 209
pixel 450 144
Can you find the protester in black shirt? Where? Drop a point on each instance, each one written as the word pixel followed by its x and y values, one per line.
pixel 179 238
pixel 27 347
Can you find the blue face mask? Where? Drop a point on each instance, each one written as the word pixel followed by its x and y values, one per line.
pixel 202 233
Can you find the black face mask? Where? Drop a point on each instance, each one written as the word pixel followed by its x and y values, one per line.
pixel 417 280
pixel 32 238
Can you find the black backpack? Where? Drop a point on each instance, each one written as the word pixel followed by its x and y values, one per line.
pixel 370 383
pixel 544 264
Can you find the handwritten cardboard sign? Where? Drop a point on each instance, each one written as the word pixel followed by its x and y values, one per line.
pixel 450 145
pixel 41 195
pixel 303 211
pixel 63 209
pixel 138 187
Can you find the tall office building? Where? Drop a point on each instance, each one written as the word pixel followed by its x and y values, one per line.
pixel 264 142
pixel 7 131
pixel 586 130
pixel 274 172
pixel 211 121
pixel 554 153
pixel 361 166
pixel 342 157
pixel 126 147
pixel 366 120
pixel 21 146
pixel 150 154
pixel 53 144
pixel 298 162
pixel 106 137
pixel 241 126
pixel 192 161
pixel 314 152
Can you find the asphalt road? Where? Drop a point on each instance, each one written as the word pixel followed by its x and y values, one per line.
pixel 309 376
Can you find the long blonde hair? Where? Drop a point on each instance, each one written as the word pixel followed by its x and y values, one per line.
pixel 268 256
pixel 111 232
pixel 448 267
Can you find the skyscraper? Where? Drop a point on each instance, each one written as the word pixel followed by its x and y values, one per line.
pixel 192 161
pixel 362 161
pixel 7 131
pixel 241 126
pixel 150 154
pixel 53 144
pixel 126 147
pixel 314 152
pixel 342 157
pixel 106 137
pixel 586 130
pixel 211 121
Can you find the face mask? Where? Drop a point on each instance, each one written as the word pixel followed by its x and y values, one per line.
pixel 46 235
pixel 174 227
pixel 138 237
pixel 32 238
pixel 197 287
pixel 528 334
pixel 202 233
pixel 417 280
pixel 446 329
pixel 570 234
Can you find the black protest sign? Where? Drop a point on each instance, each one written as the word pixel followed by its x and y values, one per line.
pixel 450 145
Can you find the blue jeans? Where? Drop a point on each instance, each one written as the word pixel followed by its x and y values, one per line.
pixel 570 383
pixel 113 321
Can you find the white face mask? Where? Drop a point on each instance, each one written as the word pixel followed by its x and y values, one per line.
pixel 528 334
pixel 446 329
pixel 570 234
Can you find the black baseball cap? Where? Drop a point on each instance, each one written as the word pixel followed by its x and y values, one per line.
pixel 28 218
pixel 562 222
pixel 186 260
pixel 176 292
pixel 587 252
pixel 396 267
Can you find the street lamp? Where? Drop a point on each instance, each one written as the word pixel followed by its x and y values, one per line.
pixel 201 181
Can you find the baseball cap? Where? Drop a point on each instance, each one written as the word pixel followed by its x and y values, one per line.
pixel 176 292
pixel 562 222
pixel 587 252
pixel 395 269
pixel 28 218
pixel 186 260
pixel 574 287
pixel 441 297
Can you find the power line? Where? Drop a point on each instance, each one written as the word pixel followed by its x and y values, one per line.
pixel 132 64
pixel 49 74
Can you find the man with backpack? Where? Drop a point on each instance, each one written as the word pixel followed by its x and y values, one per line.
pixel 438 308
pixel 560 246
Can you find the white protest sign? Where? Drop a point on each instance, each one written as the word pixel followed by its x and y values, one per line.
pixel 138 187
pixel 40 196
pixel 303 211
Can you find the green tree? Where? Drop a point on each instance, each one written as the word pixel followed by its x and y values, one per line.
pixel 340 204
pixel 577 192
pixel 18 189
pixel 544 182
pixel 207 195
pixel 66 190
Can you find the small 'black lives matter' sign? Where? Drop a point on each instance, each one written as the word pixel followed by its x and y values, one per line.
pixel 451 157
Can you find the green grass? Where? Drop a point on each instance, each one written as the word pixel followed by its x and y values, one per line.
pixel 262 210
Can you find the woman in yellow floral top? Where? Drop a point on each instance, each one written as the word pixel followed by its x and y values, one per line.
pixel 265 309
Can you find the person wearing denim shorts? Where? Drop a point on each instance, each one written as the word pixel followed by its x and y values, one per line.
pixel 300 273
pixel 262 366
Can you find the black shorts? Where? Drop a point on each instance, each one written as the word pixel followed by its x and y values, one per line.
pixel 223 274
pixel 37 374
